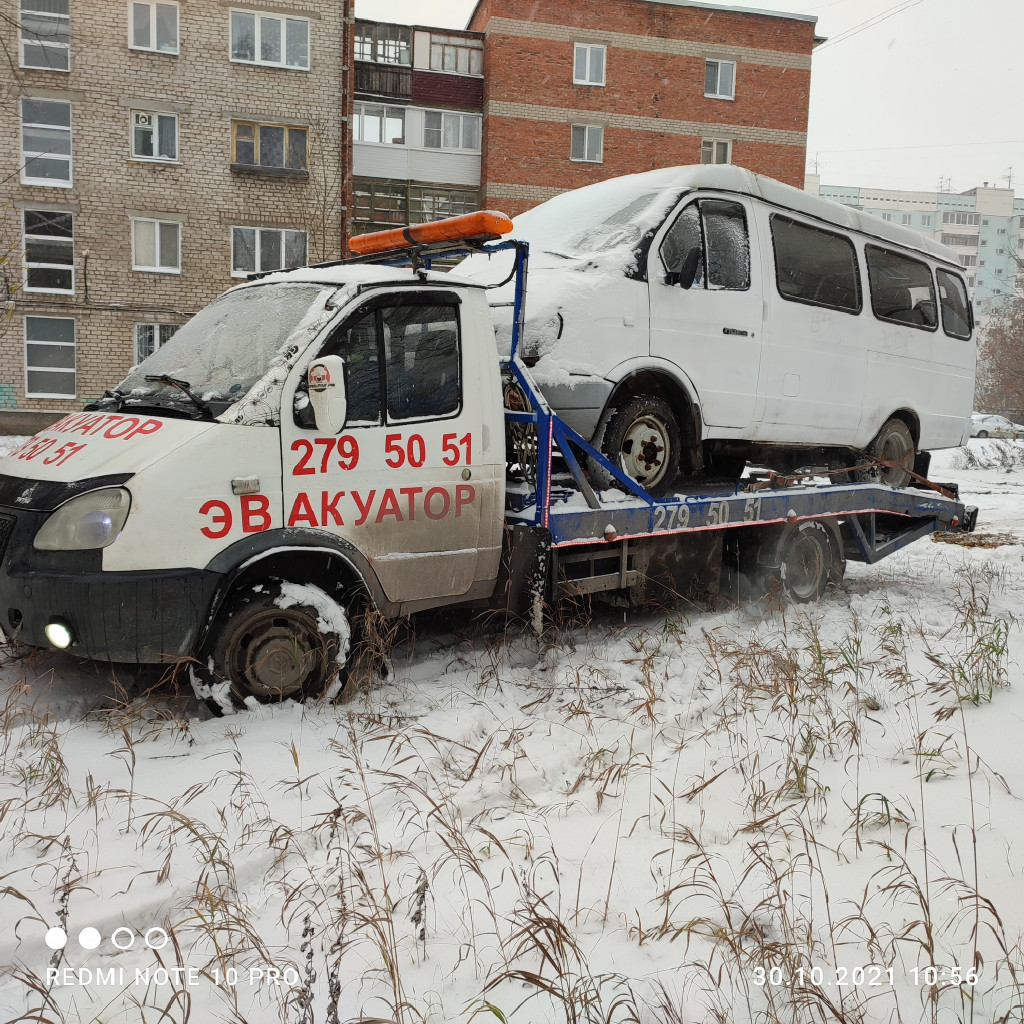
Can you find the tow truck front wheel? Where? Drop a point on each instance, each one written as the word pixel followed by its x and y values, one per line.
pixel 642 438
pixel 275 641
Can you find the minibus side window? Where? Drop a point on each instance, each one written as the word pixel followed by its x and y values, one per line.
pixel 815 266
pixel 718 229
pixel 956 310
pixel 901 289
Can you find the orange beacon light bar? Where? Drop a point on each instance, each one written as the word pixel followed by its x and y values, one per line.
pixel 484 226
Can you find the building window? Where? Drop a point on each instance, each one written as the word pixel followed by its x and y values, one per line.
pixel 155 27
pixel 46 142
pixel 46 34
pixel 49 357
pixel 456 55
pixel 971 240
pixel 156 246
pixel 960 218
pixel 905 218
pixel 372 122
pixel 588 64
pixel 149 337
pixel 886 216
pixel 984 241
pixel 261 250
pixel 1000 252
pixel 968 260
pixel 715 151
pixel 926 220
pixel 451 131
pixel 49 252
pixel 999 271
pixel 720 79
pixel 154 136
pixel 587 143
pixel 273 40
pixel 427 203
pixel 380 203
pixel 384 44
pixel 268 145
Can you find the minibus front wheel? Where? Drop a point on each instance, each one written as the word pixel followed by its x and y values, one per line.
pixel 274 641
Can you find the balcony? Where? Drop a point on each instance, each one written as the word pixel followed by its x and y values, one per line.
pixel 384 80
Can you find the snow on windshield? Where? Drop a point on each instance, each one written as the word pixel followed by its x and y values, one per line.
pixel 235 341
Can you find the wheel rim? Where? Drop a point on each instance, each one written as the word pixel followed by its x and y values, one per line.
pixel 895 449
pixel 277 654
pixel 646 450
pixel 805 565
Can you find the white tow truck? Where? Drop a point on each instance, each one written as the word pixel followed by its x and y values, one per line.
pixel 326 441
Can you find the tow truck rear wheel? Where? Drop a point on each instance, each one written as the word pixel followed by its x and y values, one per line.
pixel 642 438
pixel 275 641
pixel 808 563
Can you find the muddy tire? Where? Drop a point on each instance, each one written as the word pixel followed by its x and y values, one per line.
pixel 274 641
pixel 642 437
pixel 808 563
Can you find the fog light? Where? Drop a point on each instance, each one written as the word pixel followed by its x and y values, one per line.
pixel 59 634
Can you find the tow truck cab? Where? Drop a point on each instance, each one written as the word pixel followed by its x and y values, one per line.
pixel 342 424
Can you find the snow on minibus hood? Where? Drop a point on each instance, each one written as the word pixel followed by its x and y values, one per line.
pixel 83 445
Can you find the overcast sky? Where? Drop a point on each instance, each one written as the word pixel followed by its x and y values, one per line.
pixel 904 93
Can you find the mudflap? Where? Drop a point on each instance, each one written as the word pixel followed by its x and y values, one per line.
pixel 674 569
pixel 522 586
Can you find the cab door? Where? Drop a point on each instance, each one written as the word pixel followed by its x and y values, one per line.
pixel 399 480
pixel 711 330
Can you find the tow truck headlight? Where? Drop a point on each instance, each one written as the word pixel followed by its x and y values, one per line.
pixel 91 520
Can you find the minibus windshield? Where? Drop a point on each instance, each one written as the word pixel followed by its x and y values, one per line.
pixel 226 348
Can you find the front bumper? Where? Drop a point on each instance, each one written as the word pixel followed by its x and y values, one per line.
pixel 153 616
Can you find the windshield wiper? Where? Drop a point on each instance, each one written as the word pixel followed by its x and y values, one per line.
pixel 185 388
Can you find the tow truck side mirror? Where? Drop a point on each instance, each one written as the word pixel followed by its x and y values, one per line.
pixel 326 381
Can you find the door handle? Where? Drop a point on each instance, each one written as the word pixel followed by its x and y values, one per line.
pixel 736 331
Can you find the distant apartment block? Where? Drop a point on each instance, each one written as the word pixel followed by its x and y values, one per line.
pixel 156 153
pixel 985 226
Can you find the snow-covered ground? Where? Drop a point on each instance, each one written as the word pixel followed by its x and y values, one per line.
pixel 744 814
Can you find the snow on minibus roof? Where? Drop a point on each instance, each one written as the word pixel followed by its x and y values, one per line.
pixel 574 214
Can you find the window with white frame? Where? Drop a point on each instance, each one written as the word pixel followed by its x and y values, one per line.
pixel 154 26
pixel 275 40
pixel 373 122
pixel 49 357
pixel 905 218
pixel 886 216
pixel 156 245
pixel 149 337
pixel 383 44
pixel 957 217
pixel 154 136
pixel 456 55
pixel 268 145
pixel 588 64
pixel 720 79
pixel 444 130
pixel 46 34
pixel 46 142
pixel 49 251
pixel 587 143
pixel 260 250
pixel 926 220
pixel 715 151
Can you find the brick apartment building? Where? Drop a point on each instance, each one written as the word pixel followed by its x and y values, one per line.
pixel 156 152
pixel 578 92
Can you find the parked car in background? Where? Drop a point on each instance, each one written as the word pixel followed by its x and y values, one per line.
pixel 983 425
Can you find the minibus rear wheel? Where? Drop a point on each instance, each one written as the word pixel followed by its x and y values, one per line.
pixel 274 641
pixel 893 444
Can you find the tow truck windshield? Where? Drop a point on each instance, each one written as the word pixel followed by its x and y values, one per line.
pixel 225 349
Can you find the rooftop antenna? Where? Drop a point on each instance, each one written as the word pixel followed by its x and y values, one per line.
pixel 945 184
pixel 1008 177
